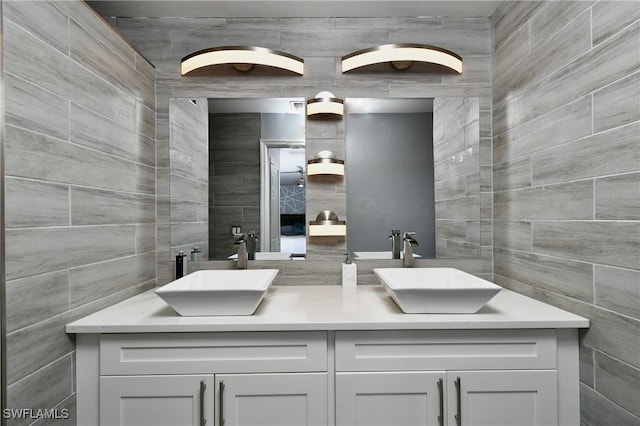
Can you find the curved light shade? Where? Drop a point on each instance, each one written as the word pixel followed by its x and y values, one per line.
pixel 327 225
pixel 401 55
pixel 325 163
pixel 242 58
pixel 325 105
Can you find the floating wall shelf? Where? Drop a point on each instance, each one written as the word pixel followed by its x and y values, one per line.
pixel 325 163
pixel 327 224
pixel 325 106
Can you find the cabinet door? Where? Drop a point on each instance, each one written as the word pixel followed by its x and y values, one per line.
pixel 502 398
pixel 389 398
pixel 295 399
pixel 156 400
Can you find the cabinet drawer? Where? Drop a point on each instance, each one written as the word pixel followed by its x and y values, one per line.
pixel 405 350
pixel 198 353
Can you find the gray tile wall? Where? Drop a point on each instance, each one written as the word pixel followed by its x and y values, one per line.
pixel 321 42
pixel 79 187
pixel 234 178
pixel 456 146
pixel 566 206
pixel 188 178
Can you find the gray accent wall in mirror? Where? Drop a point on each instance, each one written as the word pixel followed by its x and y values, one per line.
pixel 221 150
pixel 413 165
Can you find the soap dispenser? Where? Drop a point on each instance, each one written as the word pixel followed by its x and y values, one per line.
pixel 349 273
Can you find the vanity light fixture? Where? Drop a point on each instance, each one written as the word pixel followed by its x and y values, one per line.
pixel 325 163
pixel 401 56
pixel 325 106
pixel 242 58
pixel 327 224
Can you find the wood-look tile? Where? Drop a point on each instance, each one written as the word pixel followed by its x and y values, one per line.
pixel 511 234
pixel 98 207
pixel 183 233
pixel 514 49
pixel 94 131
pixel 145 238
pixel 88 283
pixel 617 104
pixel 553 17
pixel 596 409
pixel 604 64
pixel 276 23
pixel 618 197
pixel 512 174
pixel 558 50
pixel 336 42
pixel 96 56
pixel 88 19
pixel 147 120
pixel 37 298
pixel 32 203
pixel 28 105
pixel 43 19
pixel 33 347
pixel 38 156
pixel 606 243
pixel 586 367
pixel 570 201
pixel 525 136
pixel 468 40
pixel 611 16
pixel 618 381
pixel 509 17
pixel 32 251
pixel 618 290
pixel 562 276
pixel 605 153
pixel 44 389
pixel 187 189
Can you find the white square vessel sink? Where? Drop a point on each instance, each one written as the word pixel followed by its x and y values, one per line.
pixel 436 290
pixel 218 292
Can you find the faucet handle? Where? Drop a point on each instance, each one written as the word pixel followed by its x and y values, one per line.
pixel 408 235
pixel 395 233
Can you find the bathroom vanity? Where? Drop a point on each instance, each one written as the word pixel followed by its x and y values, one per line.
pixel 324 355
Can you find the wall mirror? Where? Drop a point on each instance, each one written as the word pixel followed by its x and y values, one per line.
pixel 255 175
pixel 413 165
pixel 215 187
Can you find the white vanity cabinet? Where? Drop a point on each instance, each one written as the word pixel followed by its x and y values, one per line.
pixel 230 379
pixel 163 400
pixel 316 355
pixel 479 377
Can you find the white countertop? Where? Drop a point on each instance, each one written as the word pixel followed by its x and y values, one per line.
pixel 291 308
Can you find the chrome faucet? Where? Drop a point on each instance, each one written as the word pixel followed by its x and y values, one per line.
pixel 395 243
pixel 409 243
pixel 240 245
pixel 252 240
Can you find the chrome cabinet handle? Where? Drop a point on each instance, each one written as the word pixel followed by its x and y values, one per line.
pixel 221 403
pixel 441 392
pixel 203 386
pixel 458 397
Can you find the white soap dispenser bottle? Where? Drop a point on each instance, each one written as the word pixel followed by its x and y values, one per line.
pixel 349 273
